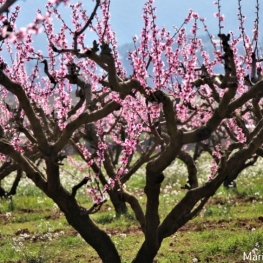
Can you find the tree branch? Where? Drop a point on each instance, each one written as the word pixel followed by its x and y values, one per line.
pixel 4 7
pixel 78 186
pixel 17 90
pixel 78 33
pixel 192 171
pixel 136 207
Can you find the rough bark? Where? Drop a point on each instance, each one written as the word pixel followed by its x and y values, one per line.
pixel 79 219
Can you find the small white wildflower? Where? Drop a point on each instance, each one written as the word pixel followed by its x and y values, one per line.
pixel 8 214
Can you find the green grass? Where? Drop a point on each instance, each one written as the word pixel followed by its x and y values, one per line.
pixel 32 229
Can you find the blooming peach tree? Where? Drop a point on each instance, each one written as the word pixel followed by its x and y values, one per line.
pixel 174 98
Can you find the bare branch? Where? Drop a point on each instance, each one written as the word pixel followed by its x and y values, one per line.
pixel 90 19
pixel 4 7
pixel 192 171
pixel 136 207
pixel 78 186
pixel 17 89
pixel 24 163
pixel 51 78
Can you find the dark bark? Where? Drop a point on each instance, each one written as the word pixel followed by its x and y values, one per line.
pixel 12 191
pixel 79 219
pixel 192 171
pixel 151 244
pixel 136 207
pixel 230 179
pixel 16 182
pixel 118 201
pixel 3 193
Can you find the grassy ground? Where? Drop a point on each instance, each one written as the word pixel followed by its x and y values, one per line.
pixel 33 230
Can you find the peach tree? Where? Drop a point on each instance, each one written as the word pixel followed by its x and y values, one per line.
pixel 177 95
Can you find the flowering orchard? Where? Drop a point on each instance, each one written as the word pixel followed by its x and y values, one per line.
pixel 118 122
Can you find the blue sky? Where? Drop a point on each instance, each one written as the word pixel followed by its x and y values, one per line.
pixel 126 14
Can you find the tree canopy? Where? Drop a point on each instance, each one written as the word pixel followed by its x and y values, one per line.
pixel 177 96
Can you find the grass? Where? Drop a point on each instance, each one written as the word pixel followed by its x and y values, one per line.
pixel 32 229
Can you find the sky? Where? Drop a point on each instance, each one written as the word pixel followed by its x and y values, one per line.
pixel 127 21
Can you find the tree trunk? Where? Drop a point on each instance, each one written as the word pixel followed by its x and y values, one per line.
pixel 118 202
pixel 151 244
pixel 79 219
pixel 146 254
